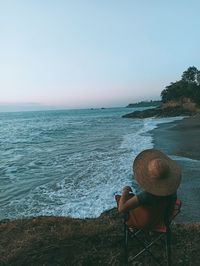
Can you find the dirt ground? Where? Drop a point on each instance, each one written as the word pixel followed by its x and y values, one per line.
pixel 57 241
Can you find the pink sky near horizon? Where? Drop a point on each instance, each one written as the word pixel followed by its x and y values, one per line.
pixel 111 95
pixel 94 53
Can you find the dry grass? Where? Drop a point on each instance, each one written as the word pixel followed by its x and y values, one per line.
pixel 65 241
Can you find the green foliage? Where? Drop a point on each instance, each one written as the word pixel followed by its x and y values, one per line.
pixel 190 75
pixel 187 87
pixel 144 104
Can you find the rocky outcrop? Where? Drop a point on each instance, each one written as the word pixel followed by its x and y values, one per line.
pixel 161 112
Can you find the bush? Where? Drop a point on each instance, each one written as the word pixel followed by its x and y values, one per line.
pixel 187 87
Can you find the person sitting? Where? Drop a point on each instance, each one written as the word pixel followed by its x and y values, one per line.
pixel 159 177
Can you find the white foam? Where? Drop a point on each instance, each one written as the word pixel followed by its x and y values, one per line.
pixel 181 158
pixel 89 190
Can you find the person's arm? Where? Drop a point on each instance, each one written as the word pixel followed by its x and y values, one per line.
pixel 126 203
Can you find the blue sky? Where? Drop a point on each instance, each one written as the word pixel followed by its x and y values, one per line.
pixel 94 53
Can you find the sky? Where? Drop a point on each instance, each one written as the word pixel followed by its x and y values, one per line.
pixel 94 53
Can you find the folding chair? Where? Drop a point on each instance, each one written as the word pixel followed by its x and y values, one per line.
pixel 159 230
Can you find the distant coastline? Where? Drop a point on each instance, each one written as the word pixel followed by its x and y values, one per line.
pixel 144 104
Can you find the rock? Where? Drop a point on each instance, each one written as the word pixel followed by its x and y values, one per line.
pixel 160 112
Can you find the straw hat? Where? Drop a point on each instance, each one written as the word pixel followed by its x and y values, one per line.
pixel 156 173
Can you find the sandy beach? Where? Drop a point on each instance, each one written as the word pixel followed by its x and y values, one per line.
pixel 181 141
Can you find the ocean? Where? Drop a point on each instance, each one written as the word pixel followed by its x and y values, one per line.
pixel 69 162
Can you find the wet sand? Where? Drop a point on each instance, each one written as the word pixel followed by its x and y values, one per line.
pixel 181 141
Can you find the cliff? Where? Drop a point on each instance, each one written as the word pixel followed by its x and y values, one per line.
pixel 169 109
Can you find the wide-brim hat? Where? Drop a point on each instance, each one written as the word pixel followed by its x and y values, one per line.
pixel 156 173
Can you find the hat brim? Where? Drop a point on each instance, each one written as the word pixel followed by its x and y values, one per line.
pixel 162 187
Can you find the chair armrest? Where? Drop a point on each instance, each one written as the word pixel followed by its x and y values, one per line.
pixel 177 208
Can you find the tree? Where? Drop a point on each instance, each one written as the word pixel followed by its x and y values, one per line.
pixel 190 75
pixel 174 91
pixel 187 87
pixel 198 78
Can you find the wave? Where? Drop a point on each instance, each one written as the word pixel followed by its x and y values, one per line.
pixel 83 179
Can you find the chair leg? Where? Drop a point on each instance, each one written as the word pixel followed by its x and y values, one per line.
pixel 168 246
pixel 125 244
pixel 146 248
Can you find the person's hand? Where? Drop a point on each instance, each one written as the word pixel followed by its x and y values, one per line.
pixel 127 189
pixel 125 193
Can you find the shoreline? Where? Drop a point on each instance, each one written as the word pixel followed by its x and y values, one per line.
pixel 183 136
pixel 180 140
pixel 51 240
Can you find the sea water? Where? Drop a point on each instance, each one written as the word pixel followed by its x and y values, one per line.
pixel 70 162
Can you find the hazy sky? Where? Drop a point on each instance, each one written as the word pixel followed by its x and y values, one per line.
pixel 91 53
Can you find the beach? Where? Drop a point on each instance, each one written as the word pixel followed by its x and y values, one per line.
pixel 181 140
pixel 99 241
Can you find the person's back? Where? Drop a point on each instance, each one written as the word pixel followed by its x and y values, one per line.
pixel 160 177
